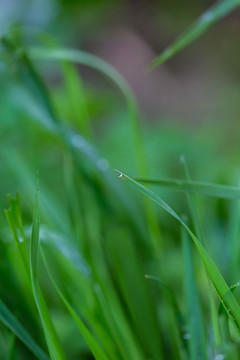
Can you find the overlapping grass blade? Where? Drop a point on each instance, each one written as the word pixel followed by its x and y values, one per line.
pixel 199 27
pixel 214 274
pixel 10 321
pixel 95 348
pixel 14 218
pixel 197 187
pixel 194 314
pixel 54 346
pixel 192 206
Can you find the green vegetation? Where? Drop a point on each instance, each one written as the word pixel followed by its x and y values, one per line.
pixel 92 268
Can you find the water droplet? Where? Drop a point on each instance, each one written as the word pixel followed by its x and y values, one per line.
pixel 207 17
pixel 182 159
pixel 103 164
pixel 219 357
pixel 186 336
pixel 78 141
pixel 20 239
pixel 119 174
pixel 228 310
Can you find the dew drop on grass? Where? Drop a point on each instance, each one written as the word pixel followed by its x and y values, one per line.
pixel 20 239
pixel 219 357
pixel 103 164
pixel 119 174
pixel 77 141
pixel 186 336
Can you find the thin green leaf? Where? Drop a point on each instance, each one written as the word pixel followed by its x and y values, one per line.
pixel 218 281
pixel 195 321
pixel 198 187
pixel 95 348
pixel 10 321
pixel 199 27
pixel 54 346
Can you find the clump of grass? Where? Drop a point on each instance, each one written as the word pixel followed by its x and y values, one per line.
pixel 92 277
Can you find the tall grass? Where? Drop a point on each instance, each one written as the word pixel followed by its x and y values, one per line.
pixel 88 268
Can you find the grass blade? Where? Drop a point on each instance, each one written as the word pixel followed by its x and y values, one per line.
pixel 199 27
pixel 214 274
pixel 55 349
pixel 198 187
pixel 195 321
pixel 95 348
pixel 10 321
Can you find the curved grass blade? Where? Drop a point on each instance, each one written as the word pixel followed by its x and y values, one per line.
pixel 95 348
pixel 198 187
pixel 54 346
pixel 199 27
pixel 214 274
pixel 10 321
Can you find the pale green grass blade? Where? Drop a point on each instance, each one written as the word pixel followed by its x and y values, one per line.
pixel 76 98
pixel 199 27
pixel 14 218
pixel 10 321
pixel 95 348
pixel 192 206
pixel 197 187
pixel 54 346
pixel 196 341
pixel 218 281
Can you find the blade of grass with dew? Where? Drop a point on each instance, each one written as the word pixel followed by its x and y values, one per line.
pixel 10 321
pixel 72 139
pixel 54 346
pixel 95 348
pixel 197 187
pixel 192 206
pixel 94 62
pixel 14 218
pixel 217 279
pixel 199 27
pixel 197 346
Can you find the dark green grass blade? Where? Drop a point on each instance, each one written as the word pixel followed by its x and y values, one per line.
pixel 195 321
pixel 218 281
pixel 199 27
pixel 54 346
pixel 95 348
pixel 198 187
pixel 10 321
pixel 179 324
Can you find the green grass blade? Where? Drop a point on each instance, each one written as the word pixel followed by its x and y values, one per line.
pixel 198 28
pixel 192 206
pixel 95 348
pixel 195 321
pixel 14 218
pixel 192 186
pixel 10 321
pixel 54 346
pixel 218 281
